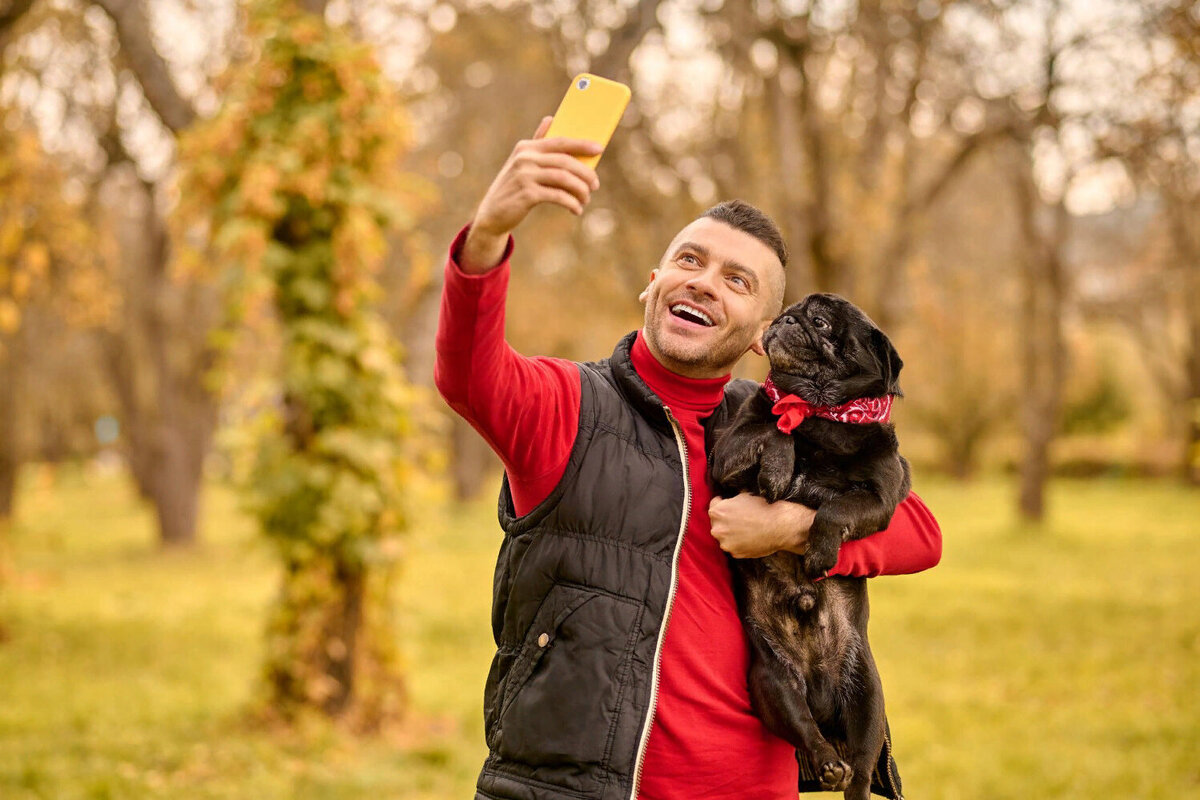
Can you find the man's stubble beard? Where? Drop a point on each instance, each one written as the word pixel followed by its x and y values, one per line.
pixel 719 358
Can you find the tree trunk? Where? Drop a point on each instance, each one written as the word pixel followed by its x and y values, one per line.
pixel 10 446
pixel 1043 352
pixel 177 490
pixel 1191 452
pixel 1182 219
pixel 10 462
pixel 157 364
pixel 473 461
pixel 343 639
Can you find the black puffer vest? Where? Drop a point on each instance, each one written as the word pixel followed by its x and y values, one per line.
pixel 583 586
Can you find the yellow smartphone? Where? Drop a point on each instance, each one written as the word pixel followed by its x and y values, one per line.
pixel 590 110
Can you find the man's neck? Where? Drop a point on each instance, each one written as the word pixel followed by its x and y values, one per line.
pixel 676 390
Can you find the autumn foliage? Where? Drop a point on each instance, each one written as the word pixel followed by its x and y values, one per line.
pixel 48 252
pixel 288 195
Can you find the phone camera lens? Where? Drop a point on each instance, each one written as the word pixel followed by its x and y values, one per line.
pixel 583 83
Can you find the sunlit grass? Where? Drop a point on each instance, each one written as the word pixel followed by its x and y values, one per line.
pixel 1060 662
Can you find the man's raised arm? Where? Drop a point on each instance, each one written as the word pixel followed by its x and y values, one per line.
pixel 527 409
pixel 538 171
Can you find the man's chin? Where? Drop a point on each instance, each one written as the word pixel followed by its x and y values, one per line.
pixel 691 349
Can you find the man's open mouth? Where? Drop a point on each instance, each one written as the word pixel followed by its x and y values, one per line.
pixel 692 314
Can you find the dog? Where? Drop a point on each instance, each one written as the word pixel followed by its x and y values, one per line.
pixel 817 434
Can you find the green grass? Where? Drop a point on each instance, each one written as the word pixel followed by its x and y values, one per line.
pixel 1062 662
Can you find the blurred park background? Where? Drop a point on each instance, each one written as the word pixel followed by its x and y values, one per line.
pixel 246 552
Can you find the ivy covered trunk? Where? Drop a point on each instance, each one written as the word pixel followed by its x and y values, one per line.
pixel 295 185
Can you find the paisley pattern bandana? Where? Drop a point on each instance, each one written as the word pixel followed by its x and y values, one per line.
pixel 793 410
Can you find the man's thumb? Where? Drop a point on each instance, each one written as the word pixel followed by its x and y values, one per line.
pixel 543 127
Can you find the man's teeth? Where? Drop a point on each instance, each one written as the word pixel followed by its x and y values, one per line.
pixel 695 313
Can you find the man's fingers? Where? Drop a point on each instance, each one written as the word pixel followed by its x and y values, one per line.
pixel 570 164
pixel 561 179
pixel 542 127
pixel 574 147
pixel 561 197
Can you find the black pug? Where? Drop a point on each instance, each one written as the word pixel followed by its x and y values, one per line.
pixel 817 433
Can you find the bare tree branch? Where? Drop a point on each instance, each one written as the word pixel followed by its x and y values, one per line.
pixel 314 6
pixel 12 13
pixel 133 33
pixel 642 19
pixel 903 231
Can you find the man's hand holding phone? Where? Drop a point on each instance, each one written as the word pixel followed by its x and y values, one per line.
pixel 539 170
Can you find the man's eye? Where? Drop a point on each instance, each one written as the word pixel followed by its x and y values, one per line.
pixel 738 280
pixel 688 258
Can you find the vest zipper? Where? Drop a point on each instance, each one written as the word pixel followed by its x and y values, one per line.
pixel 640 763
pixel 891 775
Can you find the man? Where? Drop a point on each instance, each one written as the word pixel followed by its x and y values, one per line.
pixel 620 669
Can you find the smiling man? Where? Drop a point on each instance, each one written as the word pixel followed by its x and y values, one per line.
pixel 620 669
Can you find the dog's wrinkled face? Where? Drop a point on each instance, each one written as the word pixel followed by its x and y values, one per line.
pixel 828 352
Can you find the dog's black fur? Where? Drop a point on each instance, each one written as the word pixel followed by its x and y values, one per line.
pixel 812 677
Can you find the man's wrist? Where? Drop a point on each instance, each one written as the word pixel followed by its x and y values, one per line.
pixel 794 523
pixel 482 251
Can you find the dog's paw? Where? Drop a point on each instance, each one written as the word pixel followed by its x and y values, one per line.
pixel 773 484
pixel 733 466
pixel 819 559
pixel 835 775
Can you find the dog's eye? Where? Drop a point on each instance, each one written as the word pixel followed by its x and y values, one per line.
pixel 820 323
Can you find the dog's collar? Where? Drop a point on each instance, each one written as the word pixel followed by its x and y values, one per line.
pixel 793 409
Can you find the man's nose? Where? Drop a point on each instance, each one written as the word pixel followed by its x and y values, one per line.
pixel 705 282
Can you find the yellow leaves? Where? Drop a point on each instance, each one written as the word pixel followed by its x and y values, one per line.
pixel 314 87
pixel 51 253
pixel 37 260
pixel 308 31
pixel 10 316
pixel 313 183
pixel 258 190
pixel 12 231
pixel 19 287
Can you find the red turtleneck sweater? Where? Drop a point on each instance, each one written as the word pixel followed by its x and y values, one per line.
pixel 705 742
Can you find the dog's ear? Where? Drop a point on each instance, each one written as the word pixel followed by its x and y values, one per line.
pixel 889 362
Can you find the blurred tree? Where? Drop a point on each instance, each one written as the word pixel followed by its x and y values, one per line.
pixel 959 377
pixel 50 260
pixel 295 183
pixel 10 14
pixel 858 120
pixel 1160 299
pixel 158 359
pixel 77 70
pixel 1053 73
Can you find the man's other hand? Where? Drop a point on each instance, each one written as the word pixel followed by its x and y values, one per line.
pixel 539 170
pixel 747 526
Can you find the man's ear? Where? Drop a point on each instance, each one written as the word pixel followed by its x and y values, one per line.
pixel 756 346
pixel 646 292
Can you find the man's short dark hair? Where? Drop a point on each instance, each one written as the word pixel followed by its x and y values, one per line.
pixel 748 219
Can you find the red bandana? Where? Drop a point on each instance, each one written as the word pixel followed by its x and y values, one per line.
pixel 793 410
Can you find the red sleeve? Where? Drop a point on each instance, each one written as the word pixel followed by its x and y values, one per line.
pixel 911 543
pixel 527 409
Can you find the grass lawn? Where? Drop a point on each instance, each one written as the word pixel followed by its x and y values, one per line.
pixel 1054 663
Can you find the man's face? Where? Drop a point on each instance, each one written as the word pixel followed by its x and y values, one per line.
pixel 714 293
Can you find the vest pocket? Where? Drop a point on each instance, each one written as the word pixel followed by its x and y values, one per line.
pixel 563 694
